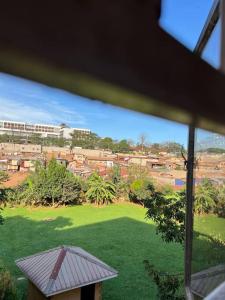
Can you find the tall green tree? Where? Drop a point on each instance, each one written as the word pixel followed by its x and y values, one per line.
pixel 205 197
pixel 122 146
pixel 35 138
pixel 220 202
pixel 168 212
pixel 53 185
pixel 88 141
pixel 106 143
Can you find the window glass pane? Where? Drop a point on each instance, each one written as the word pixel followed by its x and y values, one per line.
pixel 185 19
pixel 211 52
pixel 208 261
pixel 135 156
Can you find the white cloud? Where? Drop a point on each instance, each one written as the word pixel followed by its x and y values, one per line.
pixel 48 112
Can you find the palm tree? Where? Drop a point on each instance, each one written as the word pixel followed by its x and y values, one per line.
pixel 100 191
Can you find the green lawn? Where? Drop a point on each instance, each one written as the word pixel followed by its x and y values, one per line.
pixel 208 243
pixel 118 234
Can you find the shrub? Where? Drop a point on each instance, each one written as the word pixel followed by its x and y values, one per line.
pixel 3 176
pixel 15 195
pixel 1 217
pixel 122 186
pixel 7 286
pixel 99 190
pixel 140 190
pixel 53 185
pixel 205 197
pixel 169 285
pixel 220 202
pixel 167 210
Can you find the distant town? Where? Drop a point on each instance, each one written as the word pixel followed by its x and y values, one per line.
pixel 83 152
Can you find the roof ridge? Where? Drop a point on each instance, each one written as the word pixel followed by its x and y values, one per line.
pixel 56 269
pixel 96 262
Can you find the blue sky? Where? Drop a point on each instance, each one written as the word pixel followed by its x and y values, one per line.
pixel 25 100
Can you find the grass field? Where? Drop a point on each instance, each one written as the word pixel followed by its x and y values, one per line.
pixel 208 242
pixel 118 234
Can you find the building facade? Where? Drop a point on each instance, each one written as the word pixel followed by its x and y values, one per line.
pixel 27 129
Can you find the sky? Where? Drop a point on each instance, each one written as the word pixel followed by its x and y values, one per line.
pixel 23 100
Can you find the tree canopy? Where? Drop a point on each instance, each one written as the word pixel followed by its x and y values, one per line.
pixel 100 191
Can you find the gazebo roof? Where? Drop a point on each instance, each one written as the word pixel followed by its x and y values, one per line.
pixel 204 282
pixel 64 268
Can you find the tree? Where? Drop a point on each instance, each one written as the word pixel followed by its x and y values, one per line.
pixel 116 174
pixel 140 190
pixel 53 185
pixel 3 177
pixel 106 143
pixel 220 202
pixel 99 190
pixel 155 148
pixel 169 285
pixel 122 186
pixel 7 285
pixel 142 141
pixel 88 141
pixel 137 172
pixel 173 147
pixel 35 138
pixel 122 146
pixel 167 210
pixel 205 197
pixel 214 150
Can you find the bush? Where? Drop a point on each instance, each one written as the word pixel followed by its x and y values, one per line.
pixel 53 185
pixel 220 202
pixel 205 197
pixel 1 217
pixel 167 210
pixel 3 176
pixel 140 190
pixel 169 285
pixel 122 186
pixel 99 190
pixel 15 195
pixel 7 286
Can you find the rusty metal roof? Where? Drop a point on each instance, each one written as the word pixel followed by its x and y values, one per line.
pixel 64 268
pixel 204 282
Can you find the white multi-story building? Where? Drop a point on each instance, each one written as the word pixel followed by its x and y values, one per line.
pixel 27 129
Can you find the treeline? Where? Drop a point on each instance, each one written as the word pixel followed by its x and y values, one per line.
pixel 54 185
pixel 214 150
pixel 94 141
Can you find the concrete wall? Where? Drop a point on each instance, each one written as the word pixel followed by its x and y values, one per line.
pixel 49 149
pixel 70 295
pixel 138 161
pixel 12 148
pixel 33 293
pixel 98 291
pixel 91 152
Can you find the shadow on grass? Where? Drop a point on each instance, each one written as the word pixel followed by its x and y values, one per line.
pixel 208 251
pixel 122 243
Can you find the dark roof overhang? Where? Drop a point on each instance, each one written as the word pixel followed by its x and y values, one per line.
pixel 112 51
